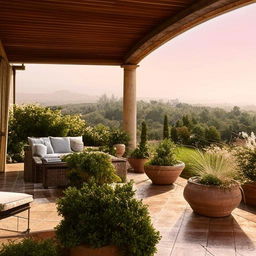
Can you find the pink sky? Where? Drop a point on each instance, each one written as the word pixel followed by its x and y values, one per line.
pixel 213 62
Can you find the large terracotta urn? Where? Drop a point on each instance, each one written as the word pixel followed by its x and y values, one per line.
pixel 212 201
pixel 120 149
pixel 249 191
pixel 164 175
pixel 137 164
pixel 88 251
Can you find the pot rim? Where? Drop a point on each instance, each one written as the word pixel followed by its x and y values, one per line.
pixel 193 180
pixel 137 158
pixel 181 164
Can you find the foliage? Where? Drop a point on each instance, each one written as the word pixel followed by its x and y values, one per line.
pixel 89 165
pixel 228 122
pixel 118 136
pixel 246 158
pixel 174 134
pixel 106 215
pixel 165 155
pixel 38 121
pixel 96 136
pixel 216 167
pixel 29 247
pixel 142 151
pixel 185 155
pixel 143 135
pixel 166 128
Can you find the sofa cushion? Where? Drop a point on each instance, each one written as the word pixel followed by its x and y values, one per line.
pixel 48 144
pixel 43 140
pixel 76 143
pixel 61 144
pixel 9 200
pixel 39 150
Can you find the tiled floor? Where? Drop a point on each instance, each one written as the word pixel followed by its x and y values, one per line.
pixel 183 232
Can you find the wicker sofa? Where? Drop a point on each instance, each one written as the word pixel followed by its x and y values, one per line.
pixel 35 167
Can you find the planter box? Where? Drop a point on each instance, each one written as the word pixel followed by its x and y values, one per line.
pixel 250 193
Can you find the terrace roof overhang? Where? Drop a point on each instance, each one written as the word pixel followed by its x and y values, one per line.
pixel 100 32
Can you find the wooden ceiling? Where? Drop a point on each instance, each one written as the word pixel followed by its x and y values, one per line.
pixel 98 31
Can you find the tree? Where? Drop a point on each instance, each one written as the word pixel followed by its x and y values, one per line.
pixel 174 134
pixel 183 135
pixel 186 121
pixel 212 134
pixel 166 128
pixel 178 123
pixel 143 136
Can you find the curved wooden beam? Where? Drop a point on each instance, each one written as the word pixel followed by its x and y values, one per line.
pixel 197 13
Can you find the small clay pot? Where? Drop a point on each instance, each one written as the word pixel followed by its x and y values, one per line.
pixel 249 191
pixel 212 201
pixel 164 175
pixel 137 164
pixel 83 250
pixel 120 149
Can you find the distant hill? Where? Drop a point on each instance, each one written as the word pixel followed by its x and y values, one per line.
pixel 55 98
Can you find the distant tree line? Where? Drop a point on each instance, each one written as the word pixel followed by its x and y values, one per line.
pixel 188 124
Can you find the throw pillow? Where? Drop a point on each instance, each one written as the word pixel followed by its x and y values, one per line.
pixel 77 144
pixel 39 150
pixel 60 144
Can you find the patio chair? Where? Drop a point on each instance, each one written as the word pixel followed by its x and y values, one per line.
pixel 12 204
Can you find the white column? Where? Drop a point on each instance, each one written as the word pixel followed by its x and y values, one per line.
pixel 129 103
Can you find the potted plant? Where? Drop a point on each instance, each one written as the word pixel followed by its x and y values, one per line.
pixel 118 139
pixel 214 191
pixel 247 161
pixel 90 165
pixel 105 220
pixel 140 155
pixel 164 168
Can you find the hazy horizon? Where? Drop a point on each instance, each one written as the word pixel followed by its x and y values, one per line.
pixel 211 63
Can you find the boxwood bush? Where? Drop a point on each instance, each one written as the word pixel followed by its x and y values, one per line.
pixel 30 247
pixel 97 216
pixel 90 165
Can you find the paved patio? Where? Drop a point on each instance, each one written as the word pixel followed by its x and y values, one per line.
pixel 183 233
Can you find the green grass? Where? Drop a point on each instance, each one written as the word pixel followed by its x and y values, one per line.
pixel 186 155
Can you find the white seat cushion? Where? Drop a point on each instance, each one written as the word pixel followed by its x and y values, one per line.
pixel 9 200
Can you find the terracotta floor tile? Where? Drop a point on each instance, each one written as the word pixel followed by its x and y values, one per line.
pixel 183 232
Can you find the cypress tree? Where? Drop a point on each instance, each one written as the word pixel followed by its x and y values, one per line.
pixel 166 128
pixel 143 136
pixel 174 135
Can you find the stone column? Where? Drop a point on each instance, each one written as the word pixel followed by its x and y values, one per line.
pixel 129 103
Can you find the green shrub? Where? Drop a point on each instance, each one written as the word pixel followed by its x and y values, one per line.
pixel 30 247
pixel 38 121
pixel 105 215
pixel 142 151
pixel 98 135
pixel 90 165
pixel 118 136
pixel 246 158
pixel 165 155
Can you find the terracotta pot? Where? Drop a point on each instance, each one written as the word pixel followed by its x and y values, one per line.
pixel 120 149
pixel 88 251
pixel 164 175
pixel 137 164
pixel 212 201
pixel 249 190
